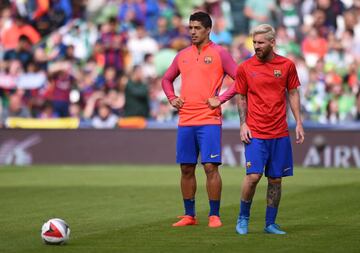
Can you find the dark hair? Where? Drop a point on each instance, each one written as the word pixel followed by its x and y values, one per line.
pixel 24 38
pixel 203 18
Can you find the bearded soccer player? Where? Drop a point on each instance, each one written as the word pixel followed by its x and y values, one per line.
pixel 202 67
pixel 262 82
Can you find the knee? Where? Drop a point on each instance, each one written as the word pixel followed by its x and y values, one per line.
pixel 253 179
pixel 274 180
pixel 211 170
pixel 188 171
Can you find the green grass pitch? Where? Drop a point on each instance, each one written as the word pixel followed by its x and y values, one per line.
pixel 122 208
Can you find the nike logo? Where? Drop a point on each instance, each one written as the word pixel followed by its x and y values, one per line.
pixel 287 169
pixel 213 156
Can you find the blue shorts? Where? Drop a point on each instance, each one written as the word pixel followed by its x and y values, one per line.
pixel 192 140
pixel 272 155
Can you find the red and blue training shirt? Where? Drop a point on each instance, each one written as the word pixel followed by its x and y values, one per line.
pixel 202 75
pixel 265 85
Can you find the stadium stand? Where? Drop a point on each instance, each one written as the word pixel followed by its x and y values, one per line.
pixel 89 60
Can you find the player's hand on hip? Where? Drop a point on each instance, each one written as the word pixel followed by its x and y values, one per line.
pixel 177 102
pixel 213 102
pixel 300 134
pixel 245 133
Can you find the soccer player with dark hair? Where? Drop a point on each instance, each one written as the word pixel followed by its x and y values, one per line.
pixel 202 67
pixel 262 83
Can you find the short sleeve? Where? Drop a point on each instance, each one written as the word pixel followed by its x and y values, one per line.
pixel 241 85
pixel 293 79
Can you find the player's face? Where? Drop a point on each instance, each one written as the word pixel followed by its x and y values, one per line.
pixel 199 34
pixel 263 47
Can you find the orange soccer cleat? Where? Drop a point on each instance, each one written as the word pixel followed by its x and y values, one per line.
pixel 214 221
pixel 186 220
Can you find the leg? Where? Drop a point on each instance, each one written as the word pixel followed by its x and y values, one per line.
pixel 188 190
pixel 213 181
pixel 273 201
pixel 209 139
pixel 281 165
pixel 273 192
pixel 186 155
pixel 188 181
pixel 255 162
pixel 213 186
pixel 248 191
pixel 249 186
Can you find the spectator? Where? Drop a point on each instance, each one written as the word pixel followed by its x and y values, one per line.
pixel 62 8
pixel 10 36
pixel 104 117
pixel 219 34
pixel 149 69
pixel 162 35
pixel 116 101
pixel 285 45
pixel 16 108
pixel 113 44
pixel 136 95
pixel 179 34
pixel 131 10
pixel 9 73
pixel 47 111
pixel 332 9
pixel 290 17
pixel 58 91
pixel 259 11
pixel 109 80
pixel 314 47
pixel 22 52
pixel 332 112
pixel 140 44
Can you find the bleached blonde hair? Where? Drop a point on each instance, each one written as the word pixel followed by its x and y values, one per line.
pixel 266 29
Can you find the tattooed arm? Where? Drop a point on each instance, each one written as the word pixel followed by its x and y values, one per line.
pixel 245 133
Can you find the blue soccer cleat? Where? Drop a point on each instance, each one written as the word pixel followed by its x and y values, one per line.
pixel 274 229
pixel 242 225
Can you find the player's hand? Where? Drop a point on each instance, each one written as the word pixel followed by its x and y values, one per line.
pixel 177 103
pixel 300 134
pixel 213 102
pixel 245 133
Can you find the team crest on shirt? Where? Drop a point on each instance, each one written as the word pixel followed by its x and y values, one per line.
pixel 248 165
pixel 208 59
pixel 277 72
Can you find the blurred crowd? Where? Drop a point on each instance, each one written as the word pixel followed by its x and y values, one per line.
pixel 102 60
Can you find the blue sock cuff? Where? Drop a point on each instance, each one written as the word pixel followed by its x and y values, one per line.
pixel 245 208
pixel 214 207
pixel 189 205
pixel 271 213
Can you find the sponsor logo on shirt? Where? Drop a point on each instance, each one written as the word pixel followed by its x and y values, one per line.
pixel 208 59
pixel 277 72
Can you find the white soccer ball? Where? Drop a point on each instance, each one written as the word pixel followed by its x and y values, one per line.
pixel 55 231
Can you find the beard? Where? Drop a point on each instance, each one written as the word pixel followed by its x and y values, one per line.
pixel 264 53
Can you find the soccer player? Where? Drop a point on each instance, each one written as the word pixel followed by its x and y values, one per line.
pixel 202 67
pixel 262 82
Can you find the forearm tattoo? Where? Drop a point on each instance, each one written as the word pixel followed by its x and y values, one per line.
pixel 273 195
pixel 242 108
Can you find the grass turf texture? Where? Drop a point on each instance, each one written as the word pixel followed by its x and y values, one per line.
pixel 131 209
